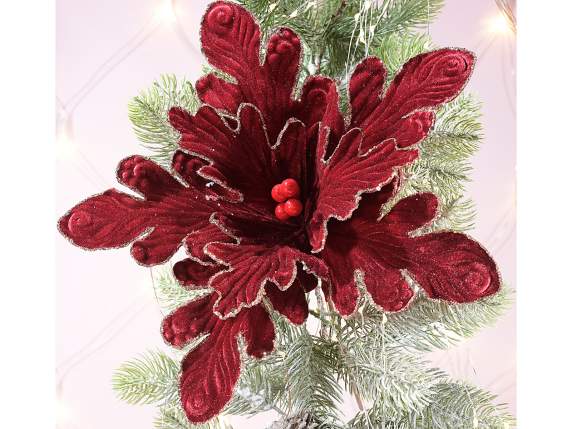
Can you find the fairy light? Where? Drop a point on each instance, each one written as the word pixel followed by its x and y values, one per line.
pixel 65 146
pixel 499 25
pixel 166 12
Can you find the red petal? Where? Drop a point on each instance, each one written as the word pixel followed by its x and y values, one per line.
pixel 333 118
pixel 425 82
pixel 258 332
pixel 453 267
pixel 411 213
pixel 231 42
pixel 209 374
pixel 412 129
pixel 218 93
pixel 366 85
pixel 290 152
pixel 387 288
pixel 447 265
pixel 340 253
pixel 210 371
pixel 291 303
pixel 104 221
pixel 313 100
pixel 189 321
pixel 346 175
pixel 196 241
pixel 113 219
pixel 179 119
pixel 240 160
pixel 250 267
pixel 192 274
pixel 308 281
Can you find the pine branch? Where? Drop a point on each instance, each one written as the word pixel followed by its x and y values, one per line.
pixel 149 114
pixel 330 29
pixel 151 378
pixel 454 406
pixel 311 363
pixel 429 324
pixel 169 292
pixel 443 167
pixel 393 381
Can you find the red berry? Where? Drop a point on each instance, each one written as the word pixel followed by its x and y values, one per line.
pixel 290 188
pixel 277 194
pixel 280 212
pixel 293 207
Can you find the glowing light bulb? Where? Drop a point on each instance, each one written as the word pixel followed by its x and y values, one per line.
pixel 65 146
pixel 166 12
pixel 499 25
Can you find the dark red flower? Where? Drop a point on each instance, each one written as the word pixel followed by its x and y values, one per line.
pixel 269 193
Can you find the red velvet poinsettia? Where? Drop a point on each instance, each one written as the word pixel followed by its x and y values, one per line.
pixel 269 193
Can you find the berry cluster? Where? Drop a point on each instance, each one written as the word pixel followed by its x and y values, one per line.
pixel 286 195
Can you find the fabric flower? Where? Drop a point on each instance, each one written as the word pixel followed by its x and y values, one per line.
pixel 269 193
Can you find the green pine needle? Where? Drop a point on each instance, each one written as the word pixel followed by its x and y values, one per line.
pixel 150 378
pixel 149 114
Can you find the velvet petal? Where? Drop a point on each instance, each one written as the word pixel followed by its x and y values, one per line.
pixel 168 212
pixel 347 174
pixel 240 160
pixel 424 83
pixel 448 265
pixel 291 303
pixel 453 267
pixel 230 39
pixel 314 101
pixel 210 370
pixel 193 274
pixel 250 266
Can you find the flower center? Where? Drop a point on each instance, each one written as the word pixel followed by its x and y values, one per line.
pixel 286 194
